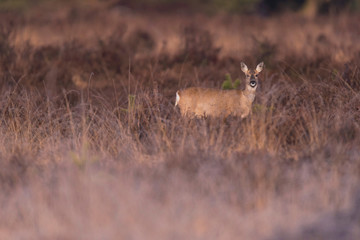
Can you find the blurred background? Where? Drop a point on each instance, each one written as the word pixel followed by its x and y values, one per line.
pixel 261 7
pixel 91 146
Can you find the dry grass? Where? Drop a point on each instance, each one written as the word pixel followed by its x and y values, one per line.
pixel 91 146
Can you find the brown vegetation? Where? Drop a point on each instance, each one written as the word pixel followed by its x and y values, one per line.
pixel 93 148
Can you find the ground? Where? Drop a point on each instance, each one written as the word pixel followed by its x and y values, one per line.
pixel 92 147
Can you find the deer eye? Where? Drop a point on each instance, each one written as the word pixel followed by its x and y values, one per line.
pixel 256 75
pixel 247 75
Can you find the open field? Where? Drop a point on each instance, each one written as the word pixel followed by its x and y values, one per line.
pixel 91 146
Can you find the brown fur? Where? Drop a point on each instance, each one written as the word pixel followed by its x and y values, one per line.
pixel 200 102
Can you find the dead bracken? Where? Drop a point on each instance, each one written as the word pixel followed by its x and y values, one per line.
pixel 92 147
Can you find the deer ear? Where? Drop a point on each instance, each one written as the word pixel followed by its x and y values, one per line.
pixel 244 68
pixel 260 67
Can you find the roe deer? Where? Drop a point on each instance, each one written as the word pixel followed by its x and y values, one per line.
pixel 201 102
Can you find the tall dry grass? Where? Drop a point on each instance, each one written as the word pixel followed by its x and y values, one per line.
pixel 112 158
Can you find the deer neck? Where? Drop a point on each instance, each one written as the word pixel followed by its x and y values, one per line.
pixel 249 93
